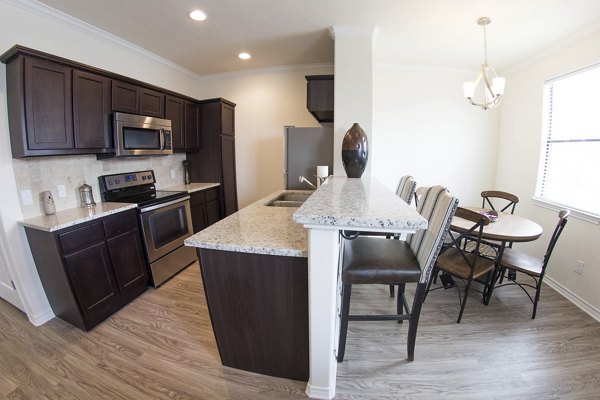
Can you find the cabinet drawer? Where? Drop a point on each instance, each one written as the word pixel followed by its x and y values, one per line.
pixel 197 198
pixel 212 194
pixel 120 223
pixel 80 238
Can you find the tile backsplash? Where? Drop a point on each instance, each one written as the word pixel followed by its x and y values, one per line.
pixel 46 173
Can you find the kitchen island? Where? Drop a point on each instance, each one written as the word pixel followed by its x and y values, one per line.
pixel 312 231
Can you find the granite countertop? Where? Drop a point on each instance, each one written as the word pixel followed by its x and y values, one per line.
pixel 192 187
pixel 73 216
pixel 258 229
pixel 353 203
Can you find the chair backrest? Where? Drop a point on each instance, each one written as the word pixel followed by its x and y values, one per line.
pixel 562 221
pixel 488 195
pixel 406 188
pixel 437 205
pixel 470 256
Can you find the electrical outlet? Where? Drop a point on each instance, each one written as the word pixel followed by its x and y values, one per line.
pixel 579 267
pixel 61 191
pixel 26 197
pixel 173 174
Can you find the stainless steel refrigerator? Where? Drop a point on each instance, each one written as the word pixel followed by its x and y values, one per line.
pixel 305 148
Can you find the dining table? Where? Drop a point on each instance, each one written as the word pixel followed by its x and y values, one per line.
pixel 503 230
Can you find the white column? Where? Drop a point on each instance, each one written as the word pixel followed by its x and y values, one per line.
pixel 323 258
pixel 353 91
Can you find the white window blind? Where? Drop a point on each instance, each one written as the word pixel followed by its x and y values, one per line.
pixel 570 171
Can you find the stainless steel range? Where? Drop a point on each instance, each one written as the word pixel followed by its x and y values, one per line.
pixel 164 217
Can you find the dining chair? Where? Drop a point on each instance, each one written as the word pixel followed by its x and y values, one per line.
pixel 533 267
pixel 375 260
pixel 509 200
pixel 467 265
pixel 498 201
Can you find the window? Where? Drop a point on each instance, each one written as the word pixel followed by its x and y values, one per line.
pixel 570 170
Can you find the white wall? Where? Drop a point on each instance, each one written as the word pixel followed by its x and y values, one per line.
pixel 266 100
pixel 424 127
pixel 33 25
pixel 518 159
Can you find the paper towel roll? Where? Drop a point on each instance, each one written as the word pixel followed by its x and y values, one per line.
pixel 322 171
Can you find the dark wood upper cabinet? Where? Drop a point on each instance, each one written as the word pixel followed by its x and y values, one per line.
pixel 152 103
pixel 61 107
pixel 49 123
pixel 192 127
pixel 227 119
pixel 319 97
pixel 174 110
pixel 125 97
pixel 91 111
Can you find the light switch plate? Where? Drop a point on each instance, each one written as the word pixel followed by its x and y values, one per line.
pixel 26 197
pixel 173 174
pixel 61 191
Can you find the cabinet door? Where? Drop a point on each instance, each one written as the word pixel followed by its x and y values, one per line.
pixel 199 217
pixel 93 281
pixel 227 119
pixel 91 111
pixel 153 103
pixel 192 128
pixel 125 97
pixel 49 117
pixel 174 111
pixel 229 176
pixel 127 260
pixel 213 212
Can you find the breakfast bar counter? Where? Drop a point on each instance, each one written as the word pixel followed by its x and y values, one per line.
pixel 270 276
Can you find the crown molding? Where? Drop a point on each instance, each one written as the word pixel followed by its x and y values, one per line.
pixel 71 22
pixel 267 70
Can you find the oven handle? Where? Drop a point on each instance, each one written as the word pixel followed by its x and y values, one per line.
pixel 161 205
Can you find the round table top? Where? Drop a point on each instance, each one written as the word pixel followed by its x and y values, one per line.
pixel 507 228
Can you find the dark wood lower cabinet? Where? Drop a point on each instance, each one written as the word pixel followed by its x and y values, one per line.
pixel 91 270
pixel 258 306
pixel 205 207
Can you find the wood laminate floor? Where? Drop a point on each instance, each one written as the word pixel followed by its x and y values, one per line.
pixel 161 346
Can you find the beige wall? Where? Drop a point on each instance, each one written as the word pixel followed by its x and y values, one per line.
pixel 266 101
pixel 518 161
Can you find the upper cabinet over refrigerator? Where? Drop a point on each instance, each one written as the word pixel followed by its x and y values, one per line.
pixel 305 148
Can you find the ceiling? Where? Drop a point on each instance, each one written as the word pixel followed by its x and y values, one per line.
pixel 438 33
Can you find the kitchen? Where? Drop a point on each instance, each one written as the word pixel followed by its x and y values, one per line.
pixel 398 123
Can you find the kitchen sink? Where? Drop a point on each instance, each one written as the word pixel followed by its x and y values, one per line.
pixel 289 200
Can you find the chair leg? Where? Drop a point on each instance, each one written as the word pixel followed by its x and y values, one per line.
pixel 464 300
pixel 538 289
pixel 432 278
pixel 346 290
pixel 414 319
pixel 400 300
pixel 391 290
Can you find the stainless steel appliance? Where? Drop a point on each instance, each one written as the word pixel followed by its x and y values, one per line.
pixel 305 149
pixel 137 135
pixel 164 217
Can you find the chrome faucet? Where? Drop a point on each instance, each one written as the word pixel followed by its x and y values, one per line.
pixel 303 179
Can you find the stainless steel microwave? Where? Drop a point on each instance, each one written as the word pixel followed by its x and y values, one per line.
pixel 137 135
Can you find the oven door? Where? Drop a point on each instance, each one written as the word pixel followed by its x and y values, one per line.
pixel 165 226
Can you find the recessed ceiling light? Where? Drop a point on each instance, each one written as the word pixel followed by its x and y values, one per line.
pixel 197 15
pixel 244 56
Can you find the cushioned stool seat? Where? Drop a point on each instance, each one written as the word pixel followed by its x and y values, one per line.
pixel 379 261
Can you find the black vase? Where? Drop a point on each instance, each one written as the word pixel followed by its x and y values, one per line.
pixel 355 151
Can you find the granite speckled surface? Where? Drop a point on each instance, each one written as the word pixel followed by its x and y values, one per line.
pixel 361 203
pixel 74 216
pixel 258 229
pixel 192 187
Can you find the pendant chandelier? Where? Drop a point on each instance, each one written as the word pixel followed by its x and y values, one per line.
pixel 491 84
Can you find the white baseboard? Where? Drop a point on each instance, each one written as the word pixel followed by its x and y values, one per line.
pixel 41 318
pixel 573 298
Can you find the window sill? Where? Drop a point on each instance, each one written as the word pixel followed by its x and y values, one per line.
pixel 579 214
